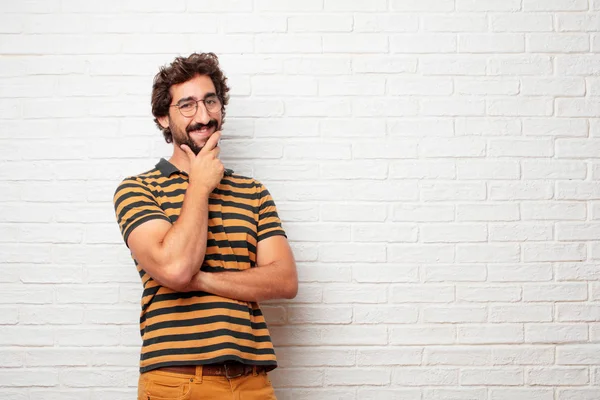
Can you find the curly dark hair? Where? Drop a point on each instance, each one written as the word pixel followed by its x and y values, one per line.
pixel 182 69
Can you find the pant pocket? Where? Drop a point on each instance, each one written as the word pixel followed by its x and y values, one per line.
pixel 165 386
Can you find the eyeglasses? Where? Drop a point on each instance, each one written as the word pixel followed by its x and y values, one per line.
pixel 190 107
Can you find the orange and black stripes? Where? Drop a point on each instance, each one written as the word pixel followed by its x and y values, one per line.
pixel 197 327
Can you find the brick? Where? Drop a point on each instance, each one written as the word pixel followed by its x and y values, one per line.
pixel 521 22
pixel 578 394
pixel 288 357
pixel 29 378
pixel 577 22
pixel 520 232
pixel 529 190
pixel 392 356
pixel 480 170
pixel 382 314
pixel 455 147
pixel 555 210
pixel 457 355
pixel 577 312
pixel 248 23
pixel 521 313
pixel 428 253
pixel 487 212
pixel 577 65
pixel 406 148
pixel 355 5
pixel 557 43
pixel 535 65
pixel 522 355
pixel 457 22
pixel 577 271
pixel 427 5
pixel 577 191
pixel 525 393
pixel 388 107
pixel 354 212
pixel 553 252
pixel 275 85
pixel 488 293
pixel 360 85
pixel 355 43
pixel 580 354
pixel 454 273
pixel 318 232
pixel 555 127
pixel 465 65
pixel 577 148
pixel 520 273
pixel 356 376
pixel 459 106
pixel 384 233
pixel 383 64
pixel 352 128
pixel 454 314
pixel 577 108
pixel 354 335
pixel 487 86
pixel 426 43
pixel 453 233
pixel 423 213
pixel 423 334
pixel 452 191
pixel 557 376
pixel 455 394
pixel 50 315
pixel 289 5
pixel 320 151
pixel 556 333
pixel 346 294
pixel 429 86
pixel 291 377
pixel 491 43
pixel 492 376
pixel 422 169
pixel 56 357
pixel 542 169
pixel 376 23
pixel 385 273
pixel 319 315
pixel 490 334
pixel 406 376
pixel 422 294
pixel 555 5
pixel 489 253
pixel 288 43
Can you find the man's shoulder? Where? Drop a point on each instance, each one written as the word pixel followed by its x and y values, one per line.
pixel 140 180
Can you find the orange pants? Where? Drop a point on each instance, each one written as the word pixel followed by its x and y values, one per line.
pixel 161 385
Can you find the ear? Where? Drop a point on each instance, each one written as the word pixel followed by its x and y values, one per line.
pixel 163 121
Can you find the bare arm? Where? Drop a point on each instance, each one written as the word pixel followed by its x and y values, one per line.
pixel 173 253
pixel 274 277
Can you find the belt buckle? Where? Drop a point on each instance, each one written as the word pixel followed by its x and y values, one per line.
pixel 226 366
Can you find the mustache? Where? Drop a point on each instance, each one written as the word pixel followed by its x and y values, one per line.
pixel 211 124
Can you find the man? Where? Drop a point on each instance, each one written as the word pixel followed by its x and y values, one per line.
pixel 208 245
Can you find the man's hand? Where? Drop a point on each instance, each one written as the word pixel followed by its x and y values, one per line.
pixel 206 170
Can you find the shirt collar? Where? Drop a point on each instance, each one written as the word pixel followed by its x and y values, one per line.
pixel 168 169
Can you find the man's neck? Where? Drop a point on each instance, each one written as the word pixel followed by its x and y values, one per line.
pixel 180 160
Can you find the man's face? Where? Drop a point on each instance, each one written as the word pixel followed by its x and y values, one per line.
pixel 192 130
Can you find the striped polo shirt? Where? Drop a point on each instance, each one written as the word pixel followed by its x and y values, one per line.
pixel 198 327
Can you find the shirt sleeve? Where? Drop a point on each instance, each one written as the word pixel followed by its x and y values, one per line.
pixel 135 204
pixel 269 223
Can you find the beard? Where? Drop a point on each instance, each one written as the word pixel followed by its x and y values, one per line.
pixel 180 137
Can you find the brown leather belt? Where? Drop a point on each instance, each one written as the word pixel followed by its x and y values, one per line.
pixel 228 370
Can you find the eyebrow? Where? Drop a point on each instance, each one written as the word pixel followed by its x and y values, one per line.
pixel 183 100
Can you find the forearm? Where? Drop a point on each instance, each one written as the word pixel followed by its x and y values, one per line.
pixel 271 281
pixel 184 246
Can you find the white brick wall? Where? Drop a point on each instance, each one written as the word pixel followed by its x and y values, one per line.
pixel 436 164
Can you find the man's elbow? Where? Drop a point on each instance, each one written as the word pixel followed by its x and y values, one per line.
pixel 291 289
pixel 176 278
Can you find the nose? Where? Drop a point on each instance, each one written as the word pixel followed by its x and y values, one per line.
pixel 201 115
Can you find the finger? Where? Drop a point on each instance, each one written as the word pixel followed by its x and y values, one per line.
pixel 212 142
pixel 217 151
pixel 186 149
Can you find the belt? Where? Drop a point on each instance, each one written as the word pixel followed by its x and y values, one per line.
pixel 228 370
